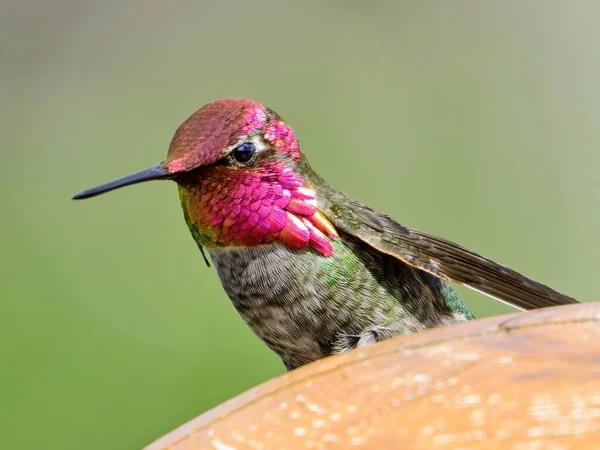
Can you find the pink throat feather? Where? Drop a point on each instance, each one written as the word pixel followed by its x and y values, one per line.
pixel 246 208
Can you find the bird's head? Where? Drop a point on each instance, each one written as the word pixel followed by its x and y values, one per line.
pixel 239 170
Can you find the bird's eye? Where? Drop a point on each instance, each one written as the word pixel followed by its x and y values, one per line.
pixel 244 152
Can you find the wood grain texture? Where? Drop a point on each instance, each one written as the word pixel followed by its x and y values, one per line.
pixel 521 381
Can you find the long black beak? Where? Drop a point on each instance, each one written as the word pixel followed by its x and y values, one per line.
pixel 158 172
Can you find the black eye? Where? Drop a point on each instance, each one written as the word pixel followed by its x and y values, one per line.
pixel 244 152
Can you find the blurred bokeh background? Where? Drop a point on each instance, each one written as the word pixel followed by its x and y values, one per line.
pixel 475 121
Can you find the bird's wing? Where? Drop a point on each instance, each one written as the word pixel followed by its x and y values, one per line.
pixel 444 259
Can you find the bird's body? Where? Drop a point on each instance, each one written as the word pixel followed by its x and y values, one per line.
pixel 312 271
pixel 305 306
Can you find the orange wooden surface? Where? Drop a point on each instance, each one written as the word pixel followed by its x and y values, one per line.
pixel 522 381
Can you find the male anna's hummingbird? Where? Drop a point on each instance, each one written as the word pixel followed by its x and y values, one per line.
pixel 312 271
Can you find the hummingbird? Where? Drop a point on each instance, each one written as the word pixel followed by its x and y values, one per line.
pixel 312 271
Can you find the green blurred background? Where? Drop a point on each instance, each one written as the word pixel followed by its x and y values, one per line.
pixel 472 120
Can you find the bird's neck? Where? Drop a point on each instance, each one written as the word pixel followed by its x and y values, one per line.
pixel 227 207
